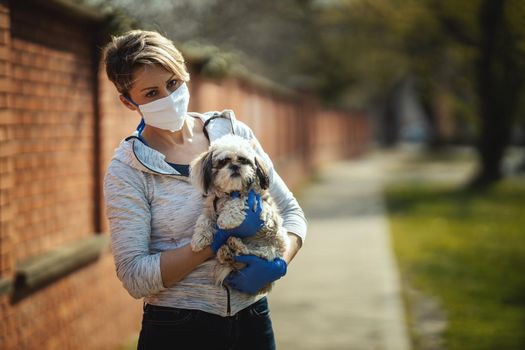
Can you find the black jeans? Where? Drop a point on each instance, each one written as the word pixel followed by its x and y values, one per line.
pixel 173 328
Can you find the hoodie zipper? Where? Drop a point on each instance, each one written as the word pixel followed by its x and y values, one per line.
pixel 228 306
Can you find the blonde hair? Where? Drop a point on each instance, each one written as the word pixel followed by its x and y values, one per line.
pixel 134 48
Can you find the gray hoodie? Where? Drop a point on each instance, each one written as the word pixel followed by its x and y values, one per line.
pixel 152 208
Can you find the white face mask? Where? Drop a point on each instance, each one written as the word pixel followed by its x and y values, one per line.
pixel 169 112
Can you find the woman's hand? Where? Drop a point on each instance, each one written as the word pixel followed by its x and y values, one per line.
pixel 249 227
pixel 257 273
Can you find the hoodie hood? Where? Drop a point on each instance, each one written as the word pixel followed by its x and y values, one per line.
pixel 133 152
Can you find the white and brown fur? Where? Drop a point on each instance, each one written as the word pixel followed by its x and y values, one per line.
pixel 231 164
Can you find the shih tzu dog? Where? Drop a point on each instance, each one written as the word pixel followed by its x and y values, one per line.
pixel 231 164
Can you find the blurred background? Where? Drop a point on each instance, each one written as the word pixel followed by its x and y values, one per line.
pixel 398 124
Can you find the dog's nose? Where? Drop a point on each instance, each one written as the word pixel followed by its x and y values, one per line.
pixel 234 167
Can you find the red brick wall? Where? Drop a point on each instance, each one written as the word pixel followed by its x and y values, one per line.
pixel 60 121
pixel 338 135
pixel 53 132
pixel 7 149
pixel 88 309
pixel 47 186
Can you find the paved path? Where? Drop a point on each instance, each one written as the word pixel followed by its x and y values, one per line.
pixel 342 291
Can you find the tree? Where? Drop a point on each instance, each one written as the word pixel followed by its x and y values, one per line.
pixel 500 82
pixel 356 52
pixel 472 49
pixel 490 36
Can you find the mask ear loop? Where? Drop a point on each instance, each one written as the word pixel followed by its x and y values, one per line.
pixel 142 124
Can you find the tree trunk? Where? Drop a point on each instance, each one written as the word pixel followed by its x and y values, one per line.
pixel 498 84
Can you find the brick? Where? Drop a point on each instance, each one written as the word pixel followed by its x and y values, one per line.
pixel 7 166
pixel 5 37
pixel 4 21
pixel 5 198
pixel 5 101
pixel 4 84
pixel 4 53
pixel 7 149
pixel 7 211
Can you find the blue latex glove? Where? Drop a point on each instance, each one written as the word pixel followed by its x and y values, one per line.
pixel 257 273
pixel 252 222
pixel 249 227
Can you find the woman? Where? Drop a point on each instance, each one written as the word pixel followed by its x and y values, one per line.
pixel 152 209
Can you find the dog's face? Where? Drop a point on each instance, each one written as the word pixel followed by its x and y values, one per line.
pixel 229 165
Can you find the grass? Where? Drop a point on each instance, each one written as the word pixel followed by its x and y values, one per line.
pixel 467 250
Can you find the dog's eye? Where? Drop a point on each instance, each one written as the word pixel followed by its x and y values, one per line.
pixel 223 162
pixel 243 160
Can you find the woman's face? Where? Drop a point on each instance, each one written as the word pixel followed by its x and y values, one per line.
pixel 151 82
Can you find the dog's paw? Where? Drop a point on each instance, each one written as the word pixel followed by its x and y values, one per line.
pixel 271 218
pixel 199 242
pixel 232 214
pixel 225 255
pixel 237 246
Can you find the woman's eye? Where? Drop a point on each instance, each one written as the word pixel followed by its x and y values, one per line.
pixel 172 83
pixel 152 93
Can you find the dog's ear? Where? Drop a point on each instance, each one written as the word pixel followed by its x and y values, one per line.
pixel 201 171
pixel 207 167
pixel 262 174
